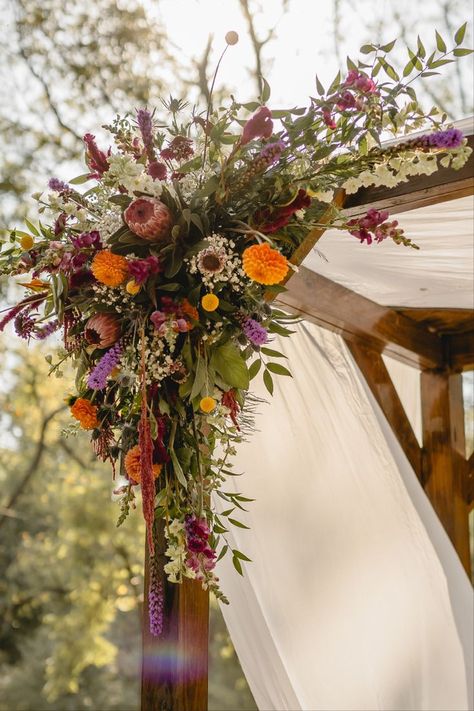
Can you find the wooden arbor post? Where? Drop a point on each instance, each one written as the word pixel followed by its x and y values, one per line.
pixel 175 664
pixel 445 469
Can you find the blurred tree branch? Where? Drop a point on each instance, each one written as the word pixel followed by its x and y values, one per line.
pixel 35 460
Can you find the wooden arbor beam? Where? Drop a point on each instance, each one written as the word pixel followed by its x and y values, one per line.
pixel 360 320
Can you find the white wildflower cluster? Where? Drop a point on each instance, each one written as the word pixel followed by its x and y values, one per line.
pixel 62 204
pixel 125 171
pixel 225 265
pixel 120 299
pixel 322 195
pixel 176 552
pixel 188 186
pixel 213 332
pixel 158 364
pixel 110 222
pixel 399 169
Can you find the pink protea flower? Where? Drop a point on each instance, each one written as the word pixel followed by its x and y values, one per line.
pixel 102 330
pixel 149 218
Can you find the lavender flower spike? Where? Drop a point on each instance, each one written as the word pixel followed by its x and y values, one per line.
pixel 155 602
pixel 97 380
pixel 59 186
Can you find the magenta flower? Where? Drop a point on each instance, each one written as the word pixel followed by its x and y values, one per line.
pixel 97 159
pixel 157 170
pixel 328 119
pixel 260 125
pixel 141 269
pixel 87 239
pixel 360 81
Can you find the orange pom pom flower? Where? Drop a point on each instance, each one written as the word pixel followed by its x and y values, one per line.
pixel 86 413
pixel 108 268
pixel 264 265
pixel 133 465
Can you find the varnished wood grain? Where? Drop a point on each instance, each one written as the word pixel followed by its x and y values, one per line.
pixel 444 461
pixel 441 321
pixel 175 665
pixel 378 379
pixel 460 351
pixel 358 319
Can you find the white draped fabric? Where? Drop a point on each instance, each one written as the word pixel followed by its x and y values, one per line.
pixel 356 598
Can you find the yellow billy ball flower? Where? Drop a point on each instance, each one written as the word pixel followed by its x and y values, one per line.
pixel 209 302
pixel 207 404
pixel 27 242
pixel 132 287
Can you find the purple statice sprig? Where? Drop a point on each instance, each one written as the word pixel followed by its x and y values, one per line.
pixel 97 379
pixel 255 332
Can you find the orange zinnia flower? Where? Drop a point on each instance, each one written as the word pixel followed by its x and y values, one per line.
pixel 86 413
pixel 133 465
pixel 108 268
pixel 264 264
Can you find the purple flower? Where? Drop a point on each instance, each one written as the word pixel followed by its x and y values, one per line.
pixel 24 324
pixel 47 330
pixel 271 153
pixel 97 380
pixel 155 602
pixel 58 186
pixel 145 125
pixel 255 332
pixel 451 138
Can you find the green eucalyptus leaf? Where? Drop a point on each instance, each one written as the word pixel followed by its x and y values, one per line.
pixel 462 52
pixel 237 564
pixel 268 382
pixel 254 368
pixel 178 470
pixel 80 179
pixel 440 43
pixel 266 91
pixel 459 36
pixel 270 352
pixel 278 369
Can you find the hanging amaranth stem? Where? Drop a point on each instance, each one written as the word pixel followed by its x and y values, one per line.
pixel 146 454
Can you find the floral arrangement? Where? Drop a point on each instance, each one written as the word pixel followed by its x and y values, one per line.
pixel 160 276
